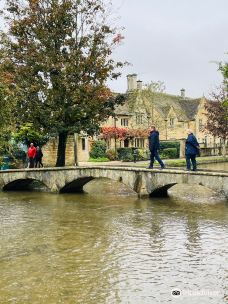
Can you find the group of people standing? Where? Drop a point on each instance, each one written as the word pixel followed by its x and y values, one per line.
pixel 191 149
pixel 35 155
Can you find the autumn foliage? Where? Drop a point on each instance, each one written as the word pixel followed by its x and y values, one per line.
pixel 217 114
pixel 123 133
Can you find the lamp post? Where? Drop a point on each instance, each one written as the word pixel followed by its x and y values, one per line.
pixel 115 119
pixel 76 149
pixel 148 119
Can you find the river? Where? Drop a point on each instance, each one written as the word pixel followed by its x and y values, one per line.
pixel 215 166
pixel 107 246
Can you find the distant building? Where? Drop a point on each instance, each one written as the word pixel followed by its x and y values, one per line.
pixel 172 114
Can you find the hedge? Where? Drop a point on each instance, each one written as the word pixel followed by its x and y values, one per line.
pixel 131 154
pixel 170 144
pixel 125 154
pixel 169 153
pixel 98 149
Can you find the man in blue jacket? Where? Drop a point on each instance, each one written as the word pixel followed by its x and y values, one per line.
pixel 191 150
pixel 154 145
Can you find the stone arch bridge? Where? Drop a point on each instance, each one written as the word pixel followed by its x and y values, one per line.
pixel 143 181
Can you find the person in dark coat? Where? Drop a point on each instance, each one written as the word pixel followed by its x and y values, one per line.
pixel 154 145
pixel 191 151
pixel 38 157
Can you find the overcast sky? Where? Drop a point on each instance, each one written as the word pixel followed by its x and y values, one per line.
pixel 174 41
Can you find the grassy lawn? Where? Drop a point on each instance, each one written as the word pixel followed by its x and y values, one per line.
pixel 200 160
pixel 168 162
pixel 98 160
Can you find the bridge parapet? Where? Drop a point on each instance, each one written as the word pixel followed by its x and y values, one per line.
pixel 143 181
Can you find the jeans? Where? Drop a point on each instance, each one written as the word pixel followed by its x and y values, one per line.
pixel 154 155
pixel 191 158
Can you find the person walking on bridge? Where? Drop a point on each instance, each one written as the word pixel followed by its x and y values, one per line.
pixel 31 155
pixel 191 151
pixel 38 157
pixel 154 145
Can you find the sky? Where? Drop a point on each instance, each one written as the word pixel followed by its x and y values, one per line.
pixel 174 41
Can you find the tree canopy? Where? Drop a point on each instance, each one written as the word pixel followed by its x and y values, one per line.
pixel 217 108
pixel 57 58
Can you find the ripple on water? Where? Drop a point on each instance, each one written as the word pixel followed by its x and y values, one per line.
pixel 110 249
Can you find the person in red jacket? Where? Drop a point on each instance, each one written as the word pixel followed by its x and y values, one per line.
pixel 31 155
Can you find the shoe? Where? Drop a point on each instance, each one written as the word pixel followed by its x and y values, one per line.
pixel 149 167
pixel 194 169
pixel 163 167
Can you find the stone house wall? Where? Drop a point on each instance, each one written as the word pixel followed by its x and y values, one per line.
pixel 50 151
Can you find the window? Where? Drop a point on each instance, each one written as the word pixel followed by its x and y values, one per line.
pixel 124 122
pixel 200 125
pixel 139 142
pixel 171 122
pixel 83 144
pixel 139 118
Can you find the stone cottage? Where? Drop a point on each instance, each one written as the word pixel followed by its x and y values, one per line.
pixel 172 114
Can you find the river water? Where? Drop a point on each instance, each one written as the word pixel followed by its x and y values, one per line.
pixel 107 246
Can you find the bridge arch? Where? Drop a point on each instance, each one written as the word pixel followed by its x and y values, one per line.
pixel 23 184
pixel 162 191
pixel 76 185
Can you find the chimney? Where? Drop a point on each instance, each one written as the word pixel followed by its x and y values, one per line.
pixel 183 93
pixel 131 82
pixel 139 85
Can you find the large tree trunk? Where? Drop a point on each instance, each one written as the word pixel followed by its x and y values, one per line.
pixel 61 149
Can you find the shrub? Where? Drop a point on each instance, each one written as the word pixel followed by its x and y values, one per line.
pixel 125 154
pixel 98 149
pixel 111 154
pixel 169 153
pixel 128 157
pixel 128 154
pixel 143 154
pixel 170 144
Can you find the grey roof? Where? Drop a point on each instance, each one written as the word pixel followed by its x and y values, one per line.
pixel 185 108
pixel 190 107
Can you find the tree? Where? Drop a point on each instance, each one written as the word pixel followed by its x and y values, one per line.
pixel 26 135
pixel 217 109
pixel 217 114
pixel 58 54
pixel 6 119
pixel 224 69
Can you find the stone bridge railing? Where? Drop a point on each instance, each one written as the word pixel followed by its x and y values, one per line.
pixel 143 181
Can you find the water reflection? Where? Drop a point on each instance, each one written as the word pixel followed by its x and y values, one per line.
pixel 109 248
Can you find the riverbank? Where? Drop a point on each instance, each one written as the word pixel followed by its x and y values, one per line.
pixel 168 162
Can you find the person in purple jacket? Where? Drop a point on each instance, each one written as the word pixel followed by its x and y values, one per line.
pixel 191 151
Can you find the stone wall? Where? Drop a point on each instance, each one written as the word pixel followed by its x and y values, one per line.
pixel 50 151
pixel 143 181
